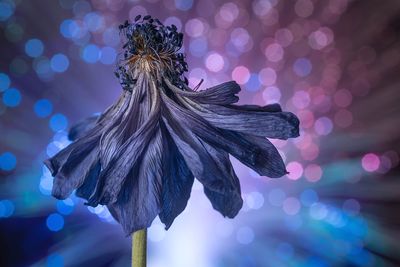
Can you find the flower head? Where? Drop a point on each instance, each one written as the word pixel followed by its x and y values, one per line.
pixel 151 47
pixel 142 154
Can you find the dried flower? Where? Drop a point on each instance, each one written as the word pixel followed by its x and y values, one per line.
pixel 140 156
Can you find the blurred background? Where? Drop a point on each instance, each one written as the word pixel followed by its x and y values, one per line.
pixel 334 63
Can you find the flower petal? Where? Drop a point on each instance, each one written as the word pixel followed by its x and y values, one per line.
pixel 209 165
pixel 255 152
pixel 177 183
pixel 229 202
pixel 266 160
pixel 248 119
pixel 220 94
pixel 121 156
pixel 140 198
pixel 65 182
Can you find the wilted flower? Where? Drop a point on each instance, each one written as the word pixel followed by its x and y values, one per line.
pixel 140 156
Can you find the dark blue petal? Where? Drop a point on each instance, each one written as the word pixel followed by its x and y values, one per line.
pixel 139 200
pixel 177 183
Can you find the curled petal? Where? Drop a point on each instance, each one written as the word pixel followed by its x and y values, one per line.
pixel 220 94
pixel 248 119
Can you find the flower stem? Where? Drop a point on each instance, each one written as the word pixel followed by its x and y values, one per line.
pixel 139 248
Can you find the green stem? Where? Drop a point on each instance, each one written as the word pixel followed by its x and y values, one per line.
pixel 139 248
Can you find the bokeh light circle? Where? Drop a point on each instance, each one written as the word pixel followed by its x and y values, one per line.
pixel 370 162
pixel 34 48
pixel 55 222
pixel 43 108
pixel 295 170
pixel 245 235
pixel 4 82
pixel 12 97
pixel 214 62
pixel 59 63
pixel 58 122
pixel 8 161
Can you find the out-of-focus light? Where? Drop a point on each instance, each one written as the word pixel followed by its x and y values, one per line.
pixel 198 46
pixel 94 21
pixel 183 5
pixel 274 52
pixel 108 55
pixel 55 222
pixel 6 208
pixel 81 7
pixel 271 95
pixel 241 39
pixel 229 12
pixel 291 206
pixel 255 200
pixel 320 38
pixel 295 170
pixel 301 99
pixel 241 74
pixel 318 211
pixel 302 67
pixel 245 235
pixel 311 152
pixel 276 197
pixel 323 126
pixel 313 172
pixel 308 197
pixel 370 162
pixel 59 63
pixel 342 98
pixel 174 20
pixel 55 146
pixel 253 84
pixel 195 28
pixel 262 7
pixel 284 37
pixel 11 97
pixel 304 8
pixel 267 76
pixel 4 82
pixel 6 10
pixel 306 118
pixel 43 108
pixel 58 122
pixel 46 184
pixel 65 207
pixel 42 67
pixel 18 66
pixel 14 32
pixel 91 53
pixel 111 37
pixel 55 260
pixel 68 28
pixel 34 48
pixel 214 62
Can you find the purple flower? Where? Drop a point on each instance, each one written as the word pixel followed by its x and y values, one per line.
pixel 141 155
